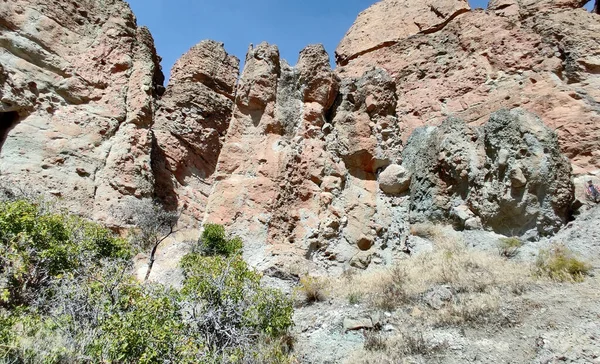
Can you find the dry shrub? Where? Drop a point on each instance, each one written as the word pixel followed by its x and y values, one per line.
pixel 509 247
pixel 426 230
pixel 472 309
pixel 391 292
pixel 374 341
pixel 560 264
pixel 314 289
pixel 379 349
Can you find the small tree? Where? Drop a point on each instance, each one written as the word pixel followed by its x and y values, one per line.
pixel 154 224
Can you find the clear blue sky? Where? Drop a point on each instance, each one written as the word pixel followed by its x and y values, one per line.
pixel 177 25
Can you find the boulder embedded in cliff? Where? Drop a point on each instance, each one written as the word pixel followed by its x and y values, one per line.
pixel 394 179
pixel 510 173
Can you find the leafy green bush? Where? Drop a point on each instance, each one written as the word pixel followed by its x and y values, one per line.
pixel 214 241
pixel 67 295
pixel 560 264
pixel 226 283
pixel 509 247
pixel 36 246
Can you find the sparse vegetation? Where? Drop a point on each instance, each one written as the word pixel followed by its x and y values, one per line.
pixel 214 241
pixel 374 341
pixel 560 264
pixel 509 247
pixel 392 292
pixel 354 298
pixel 313 289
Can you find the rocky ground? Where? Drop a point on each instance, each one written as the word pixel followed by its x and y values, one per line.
pixel 508 316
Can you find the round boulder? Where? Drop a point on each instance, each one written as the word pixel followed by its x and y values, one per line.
pixel 394 180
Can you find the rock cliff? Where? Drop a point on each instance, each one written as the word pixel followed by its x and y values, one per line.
pixel 78 82
pixel 435 112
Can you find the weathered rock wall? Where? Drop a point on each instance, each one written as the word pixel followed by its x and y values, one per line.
pixel 78 83
pixel 190 126
pixel 309 164
pixel 538 55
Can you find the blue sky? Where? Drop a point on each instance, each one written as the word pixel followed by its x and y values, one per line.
pixel 177 25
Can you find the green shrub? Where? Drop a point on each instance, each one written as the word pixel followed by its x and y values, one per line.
pixel 509 247
pixel 354 298
pixel 226 283
pixel 560 264
pixel 36 246
pixel 214 241
pixel 67 296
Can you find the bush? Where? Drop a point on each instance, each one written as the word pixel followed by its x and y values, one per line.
pixel 374 341
pixel 67 295
pixel 509 247
pixel 214 241
pixel 560 264
pixel 313 289
pixel 392 292
pixel 36 247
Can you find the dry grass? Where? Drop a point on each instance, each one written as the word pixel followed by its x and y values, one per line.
pixel 313 289
pixel 380 349
pixel 509 247
pixel 450 263
pixel 560 264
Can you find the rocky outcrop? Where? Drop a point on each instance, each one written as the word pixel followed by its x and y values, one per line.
pixel 508 174
pixel 538 55
pixel 77 87
pixel 190 126
pixel 306 163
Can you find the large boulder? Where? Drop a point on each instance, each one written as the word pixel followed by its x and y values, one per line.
pixel 509 173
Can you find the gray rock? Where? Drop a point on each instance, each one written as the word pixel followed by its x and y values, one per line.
pixel 357 324
pixel 436 297
pixel 510 173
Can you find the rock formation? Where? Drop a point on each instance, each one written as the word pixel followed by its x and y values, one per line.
pixel 538 55
pixel 77 85
pixel 307 162
pixel 508 175
pixel 190 126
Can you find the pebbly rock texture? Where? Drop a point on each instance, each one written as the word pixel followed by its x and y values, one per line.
pixel 538 55
pixel 297 173
pixel 77 87
pixel 509 173
pixel 190 126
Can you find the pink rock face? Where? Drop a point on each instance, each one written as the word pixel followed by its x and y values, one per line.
pixel 390 21
pixel 79 80
pixel 190 126
pixel 541 56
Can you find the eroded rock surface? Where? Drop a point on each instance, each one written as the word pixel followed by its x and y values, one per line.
pixel 538 55
pixel 509 173
pixel 77 87
pixel 190 126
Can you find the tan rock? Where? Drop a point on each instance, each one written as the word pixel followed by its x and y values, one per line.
pixel 394 180
pixel 190 126
pixel 479 62
pixel 394 20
